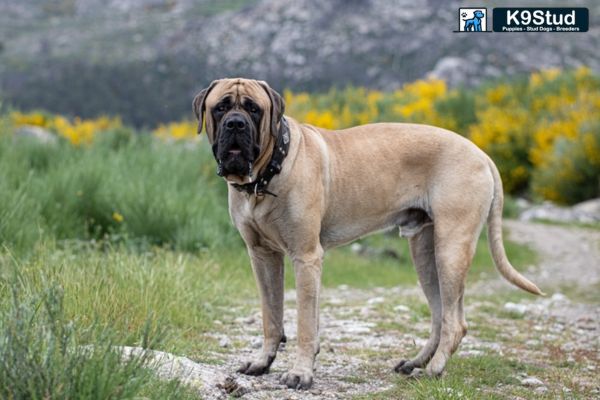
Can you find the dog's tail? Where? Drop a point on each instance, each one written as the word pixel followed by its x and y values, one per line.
pixel 495 239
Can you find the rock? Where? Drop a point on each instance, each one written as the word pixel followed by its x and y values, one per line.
pixel 559 297
pixel 40 134
pixel 451 69
pixel 211 381
pixel 401 308
pixel 256 343
pixel 356 248
pixel 589 207
pixel 540 390
pixel 376 300
pixel 358 329
pixel 584 212
pixel 531 381
pixel 336 301
pixel 367 251
pixel 245 320
pixel 522 203
pixel 471 353
pixel 516 308
pixel 225 342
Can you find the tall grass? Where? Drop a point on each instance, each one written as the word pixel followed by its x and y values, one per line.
pixel 44 354
pixel 132 189
pixel 123 290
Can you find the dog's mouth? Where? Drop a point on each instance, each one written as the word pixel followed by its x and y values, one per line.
pixel 235 159
pixel 234 151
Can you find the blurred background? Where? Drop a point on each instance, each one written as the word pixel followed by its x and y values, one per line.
pixel 144 59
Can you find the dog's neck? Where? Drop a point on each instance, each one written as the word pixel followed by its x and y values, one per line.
pixel 279 152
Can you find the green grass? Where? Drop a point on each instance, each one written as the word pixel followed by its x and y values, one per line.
pixel 127 290
pixel 167 195
pixel 466 378
pixel 47 355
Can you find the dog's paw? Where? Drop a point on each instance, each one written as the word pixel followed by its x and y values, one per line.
pixel 256 367
pixel 404 367
pixel 297 379
pixel 418 373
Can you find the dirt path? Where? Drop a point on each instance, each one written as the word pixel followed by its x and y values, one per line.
pixel 363 333
pixel 567 255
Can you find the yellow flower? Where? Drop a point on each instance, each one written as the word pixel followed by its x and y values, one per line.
pixel 117 217
pixel 497 94
pixel 183 130
pixel 34 118
pixel 82 131
pixel 320 119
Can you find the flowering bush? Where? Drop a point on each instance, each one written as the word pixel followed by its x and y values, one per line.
pixel 77 131
pixel 182 130
pixel 536 125
pixel 570 171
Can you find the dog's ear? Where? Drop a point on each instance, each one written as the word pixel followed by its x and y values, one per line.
pixel 277 107
pixel 199 104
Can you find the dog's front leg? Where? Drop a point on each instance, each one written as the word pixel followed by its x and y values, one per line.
pixel 268 271
pixel 307 268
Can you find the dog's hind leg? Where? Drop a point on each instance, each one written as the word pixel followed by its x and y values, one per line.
pixel 454 251
pixel 423 255
pixel 268 271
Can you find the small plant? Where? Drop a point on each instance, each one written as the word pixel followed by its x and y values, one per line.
pixel 44 355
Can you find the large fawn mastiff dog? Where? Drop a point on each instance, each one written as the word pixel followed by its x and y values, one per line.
pixel 299 190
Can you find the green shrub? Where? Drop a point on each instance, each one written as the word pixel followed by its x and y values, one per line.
pixel 122 186
pixel 45 355
pixel 572 173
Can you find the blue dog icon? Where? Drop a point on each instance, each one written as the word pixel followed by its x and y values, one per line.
pixel 474 24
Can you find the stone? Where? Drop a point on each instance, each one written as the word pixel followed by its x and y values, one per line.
pixel 515 308
pixel 589 207
pixel 375 300
pixel 40 134
pixel 583 213
pixel 559 297
pixel 531 381
pixel 540 390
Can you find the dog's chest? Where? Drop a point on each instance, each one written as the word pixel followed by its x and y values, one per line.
pixel 257 219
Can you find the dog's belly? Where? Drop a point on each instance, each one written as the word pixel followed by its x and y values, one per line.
pixel 410 221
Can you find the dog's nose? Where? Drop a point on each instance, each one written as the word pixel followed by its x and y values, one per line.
pixel 235 122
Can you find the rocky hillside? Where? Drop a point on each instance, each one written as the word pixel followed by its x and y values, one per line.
pixel 145 58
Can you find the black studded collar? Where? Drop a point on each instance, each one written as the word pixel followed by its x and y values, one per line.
pixel 280 151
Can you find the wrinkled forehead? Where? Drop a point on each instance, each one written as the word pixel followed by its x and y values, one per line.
pixel 238 90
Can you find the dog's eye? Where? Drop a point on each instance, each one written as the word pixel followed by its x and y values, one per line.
pixel 220 108
pixel 253 110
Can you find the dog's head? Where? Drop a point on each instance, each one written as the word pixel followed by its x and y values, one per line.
pixel 478 14
pixel 242 120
